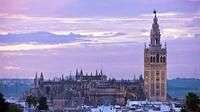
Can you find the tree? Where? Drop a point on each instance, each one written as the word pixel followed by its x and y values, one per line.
pixel 13 108
pixel 7 107
pixel 192 102
pixel 183 109
pixel 43 104
pixel 3 104
pixel 34 101
pixel 29 100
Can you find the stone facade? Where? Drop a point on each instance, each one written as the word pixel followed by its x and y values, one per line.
pixel 155 66
pixel 88 90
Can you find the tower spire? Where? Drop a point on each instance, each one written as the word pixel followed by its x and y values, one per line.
pixel 77 72
pixel 154 11
pixel 155 32
pixel 155 66
pixel 155 17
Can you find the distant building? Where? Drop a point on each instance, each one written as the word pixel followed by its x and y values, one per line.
pixel 88 90
pixel 97 77
pixel 155 66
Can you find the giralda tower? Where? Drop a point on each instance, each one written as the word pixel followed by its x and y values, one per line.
pixel 155 66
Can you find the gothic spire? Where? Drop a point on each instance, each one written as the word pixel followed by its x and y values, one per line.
pixel 35 80
pixel 62 77
pixel 41 76
pixel 96 72
pixel 101 72
pixel 77 72
pixel 36 76
pixel 81 73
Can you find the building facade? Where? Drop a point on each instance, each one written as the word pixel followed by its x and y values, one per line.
pixel 155 66
pixel 83 89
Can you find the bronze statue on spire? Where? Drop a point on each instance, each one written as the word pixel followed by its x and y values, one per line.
pixel 154 11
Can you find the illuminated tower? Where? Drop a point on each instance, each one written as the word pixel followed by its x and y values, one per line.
pixel 155 66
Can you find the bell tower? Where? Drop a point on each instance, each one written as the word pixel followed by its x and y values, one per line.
pixel 155 33
pixel 155 66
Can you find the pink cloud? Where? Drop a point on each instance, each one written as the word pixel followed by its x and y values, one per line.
pixel 11 67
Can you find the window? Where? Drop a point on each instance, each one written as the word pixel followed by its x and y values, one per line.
pixel 154 59
pixel 157 73
pixel 157 58
pixel 157 93
pixel 161 60
pixel 164 59
pixel 156 41
pixel 151 59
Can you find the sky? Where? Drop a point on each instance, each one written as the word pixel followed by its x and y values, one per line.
pixel 58 37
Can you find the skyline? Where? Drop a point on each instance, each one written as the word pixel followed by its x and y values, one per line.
pixel 60 37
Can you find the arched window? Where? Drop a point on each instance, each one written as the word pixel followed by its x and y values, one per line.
pixel 156 41
pixel 164 59
pixel 161 59
pixel 151 59
pixel 154 59
pixel 157 58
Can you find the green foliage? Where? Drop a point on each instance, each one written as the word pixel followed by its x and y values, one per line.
pixel 6 107
pixel 29 100
pixel 3 104
pixel 183 109
pixel 13 108
pixel 43 104
pixel 34 101
pixel 192 102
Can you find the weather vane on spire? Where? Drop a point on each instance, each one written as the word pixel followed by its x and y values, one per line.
pixel 154 11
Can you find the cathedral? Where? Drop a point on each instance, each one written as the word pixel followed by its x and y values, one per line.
pixel 96 89
pixel 155 66
pixel 84 89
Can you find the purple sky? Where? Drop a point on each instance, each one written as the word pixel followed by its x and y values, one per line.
pixel 56 37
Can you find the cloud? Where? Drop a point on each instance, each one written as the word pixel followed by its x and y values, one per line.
pixel 46 40
pixel 99 8
pixel 195 22
pixel 169 14
pixel 193 0
pixel 8 54
pixel 11 67
pixel 24 47
pixel 54 30
pixel 40 38
pixel 177 33
pixel 99 34
pixel 58 60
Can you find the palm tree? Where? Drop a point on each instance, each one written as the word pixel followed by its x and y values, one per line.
pixel 43 104
pixel 192 102
pixel 29 100
pixel 34 101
